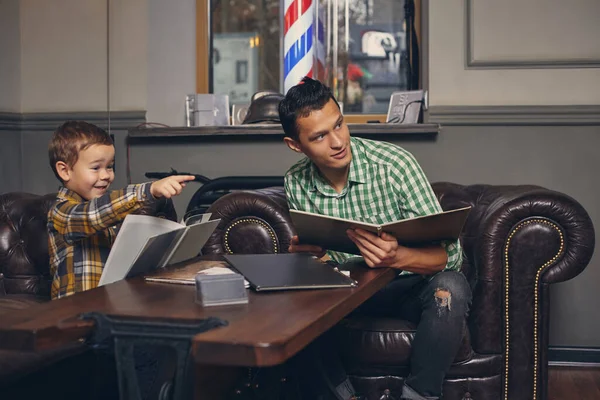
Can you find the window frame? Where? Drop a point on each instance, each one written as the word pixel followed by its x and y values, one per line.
pixel 203 33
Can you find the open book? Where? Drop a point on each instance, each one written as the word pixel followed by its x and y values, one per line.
pixel 145 243
pixel 330 232
pixel 186 275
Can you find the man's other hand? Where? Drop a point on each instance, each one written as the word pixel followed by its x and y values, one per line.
pixel 378 251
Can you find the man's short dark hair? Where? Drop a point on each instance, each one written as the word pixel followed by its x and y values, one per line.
pixel 307 96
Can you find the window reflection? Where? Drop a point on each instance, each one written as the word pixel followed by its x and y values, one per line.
pixel 357 46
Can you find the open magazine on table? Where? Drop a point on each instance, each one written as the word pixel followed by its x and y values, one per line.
pixel 145 243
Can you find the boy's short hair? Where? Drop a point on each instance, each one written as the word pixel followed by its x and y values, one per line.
pixel 72 137
pixel 307 96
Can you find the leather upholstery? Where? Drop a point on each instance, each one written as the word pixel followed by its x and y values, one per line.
pixel 25 272
pixel 24 262
pixel 383 344
pixel 250 223
pixel 24 243
pixel 517 241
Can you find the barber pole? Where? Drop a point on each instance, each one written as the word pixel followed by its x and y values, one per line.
pixel 298 41
pixel 320 53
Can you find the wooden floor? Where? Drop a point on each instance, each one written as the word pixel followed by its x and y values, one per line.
pixel 574 383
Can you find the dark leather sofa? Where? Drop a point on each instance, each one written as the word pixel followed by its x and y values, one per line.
pixel 25 280
pixel 517 241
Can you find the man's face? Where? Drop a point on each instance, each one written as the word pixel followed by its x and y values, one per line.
pixel 323 136
pixel 93 172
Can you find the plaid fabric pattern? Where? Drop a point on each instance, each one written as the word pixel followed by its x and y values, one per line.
pixel 385 184
pixel 81 233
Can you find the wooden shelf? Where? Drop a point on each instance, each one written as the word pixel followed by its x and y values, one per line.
pixel 373 129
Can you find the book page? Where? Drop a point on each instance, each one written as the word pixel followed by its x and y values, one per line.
pixel 430 228
pixel 131 239
pixel 309 215
pixel 330 232
pixel 193 241
pixel 183 275
pixel 327 232
pixel 197 218
pixel 187 275
pixel 154 254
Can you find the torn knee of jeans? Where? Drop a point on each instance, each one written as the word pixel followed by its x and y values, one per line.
pixel 443 298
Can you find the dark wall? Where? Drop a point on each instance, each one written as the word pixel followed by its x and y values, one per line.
pixel 24 147
pixel 10 153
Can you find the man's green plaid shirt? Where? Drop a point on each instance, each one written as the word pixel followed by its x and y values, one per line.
pixel 385 184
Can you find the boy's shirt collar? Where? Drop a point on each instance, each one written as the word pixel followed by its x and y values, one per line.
pixel 358 173
pixel 68 194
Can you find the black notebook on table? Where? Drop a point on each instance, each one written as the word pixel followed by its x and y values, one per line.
pixel 287 271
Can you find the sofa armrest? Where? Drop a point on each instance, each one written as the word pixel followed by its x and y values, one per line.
pixel 528 238
pixel 252 222
pixel 543 212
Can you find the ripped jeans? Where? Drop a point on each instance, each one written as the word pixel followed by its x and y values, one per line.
pixel 439 306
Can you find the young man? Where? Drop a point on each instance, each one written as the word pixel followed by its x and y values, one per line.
pixel 378 182
pixel 82 224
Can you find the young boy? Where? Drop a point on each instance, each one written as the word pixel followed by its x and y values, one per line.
pixel 377 182
pixel 83 223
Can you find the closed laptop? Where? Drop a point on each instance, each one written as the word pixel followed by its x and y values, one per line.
pixel 287 271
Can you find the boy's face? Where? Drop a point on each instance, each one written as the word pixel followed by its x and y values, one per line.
pixel 323 136
pixel 93 172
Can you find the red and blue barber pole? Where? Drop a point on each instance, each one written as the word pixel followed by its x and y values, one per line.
pixel 303 47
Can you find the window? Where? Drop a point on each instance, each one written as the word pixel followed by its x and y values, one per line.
pixel 371 45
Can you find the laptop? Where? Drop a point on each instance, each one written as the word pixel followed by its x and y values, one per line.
pixel 267 272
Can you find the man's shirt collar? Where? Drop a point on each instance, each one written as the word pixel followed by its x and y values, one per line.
pixel 358 172
pixel 358 169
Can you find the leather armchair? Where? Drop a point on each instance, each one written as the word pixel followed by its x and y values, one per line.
pixel 25 280
pixel 517 241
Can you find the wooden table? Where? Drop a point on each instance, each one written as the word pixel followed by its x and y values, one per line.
pixel 267 331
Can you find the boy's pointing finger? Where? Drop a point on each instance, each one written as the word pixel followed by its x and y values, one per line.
pixel 184 178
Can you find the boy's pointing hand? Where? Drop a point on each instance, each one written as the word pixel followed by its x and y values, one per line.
pixel 170 186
